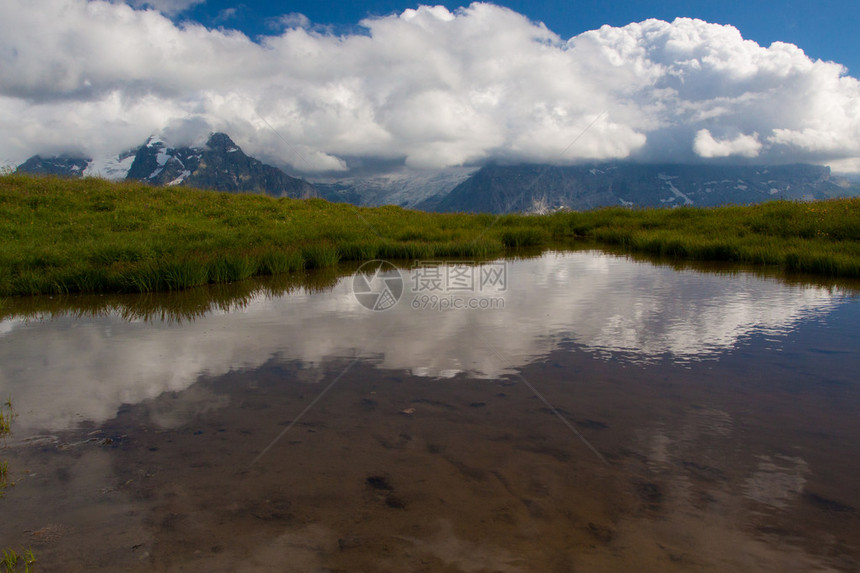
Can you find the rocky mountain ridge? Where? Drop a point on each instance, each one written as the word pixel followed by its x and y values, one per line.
pixel 220 165
pixel 543 188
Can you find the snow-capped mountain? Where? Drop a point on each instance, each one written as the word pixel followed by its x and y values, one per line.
pixel 220 165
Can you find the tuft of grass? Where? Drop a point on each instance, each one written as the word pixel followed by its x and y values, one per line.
pixel 525 237
pixel 320 256
pixel 7 413
pixel 13 562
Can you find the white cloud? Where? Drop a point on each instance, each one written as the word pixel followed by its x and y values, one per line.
pixel 292 20
pixel 429 86
pixel 705 145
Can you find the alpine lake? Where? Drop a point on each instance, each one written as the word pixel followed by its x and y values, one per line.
pixel 563 411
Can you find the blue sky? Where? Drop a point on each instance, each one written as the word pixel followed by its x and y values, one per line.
pixel 827 29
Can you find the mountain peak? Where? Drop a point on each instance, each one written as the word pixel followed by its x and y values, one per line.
pixel 155 140
pixel 221 142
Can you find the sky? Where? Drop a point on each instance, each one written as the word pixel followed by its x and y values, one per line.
pixel 321 88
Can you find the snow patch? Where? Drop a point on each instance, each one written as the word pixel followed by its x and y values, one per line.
pixel 114 167
pixel 163 157
pixel 676 192
pixel 182 177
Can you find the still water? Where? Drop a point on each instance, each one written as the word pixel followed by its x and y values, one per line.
pixel 572 411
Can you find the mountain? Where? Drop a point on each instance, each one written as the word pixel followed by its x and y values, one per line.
pixel 62 165
pixel 220 165
pixel 402 187
pixel 542 188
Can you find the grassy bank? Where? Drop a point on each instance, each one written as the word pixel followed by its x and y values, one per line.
pixel 59 236
pixel 818 238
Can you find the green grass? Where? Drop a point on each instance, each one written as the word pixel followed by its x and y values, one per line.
pixel 13 562
pixel 6 416
pixel 819 238
pixel 68 236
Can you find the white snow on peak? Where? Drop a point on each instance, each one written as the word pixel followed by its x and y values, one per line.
pixel 232 150
pixel 114 167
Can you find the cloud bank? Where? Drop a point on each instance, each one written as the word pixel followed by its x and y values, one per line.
pixel 430 87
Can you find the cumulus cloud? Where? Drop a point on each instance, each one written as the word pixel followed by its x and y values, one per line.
pixel 428 87
pixel 706 145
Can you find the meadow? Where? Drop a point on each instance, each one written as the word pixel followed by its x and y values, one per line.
pixel 90 235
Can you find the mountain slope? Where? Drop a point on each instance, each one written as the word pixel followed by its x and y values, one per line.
pixel 540 188
pixel 220 165
pixel 62 165
pixel 402 187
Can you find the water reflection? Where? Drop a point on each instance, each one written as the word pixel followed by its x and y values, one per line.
pixel 65 367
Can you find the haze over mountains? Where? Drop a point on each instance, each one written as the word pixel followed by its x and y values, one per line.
pixel 221 165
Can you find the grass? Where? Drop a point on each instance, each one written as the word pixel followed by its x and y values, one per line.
pixel 69 236
pixel 6 416
pixel 818 238
pixel 12 562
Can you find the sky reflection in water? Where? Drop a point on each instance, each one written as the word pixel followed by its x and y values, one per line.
pixel 68 369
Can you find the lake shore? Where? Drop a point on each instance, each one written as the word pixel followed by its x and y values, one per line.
pixel 94 236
